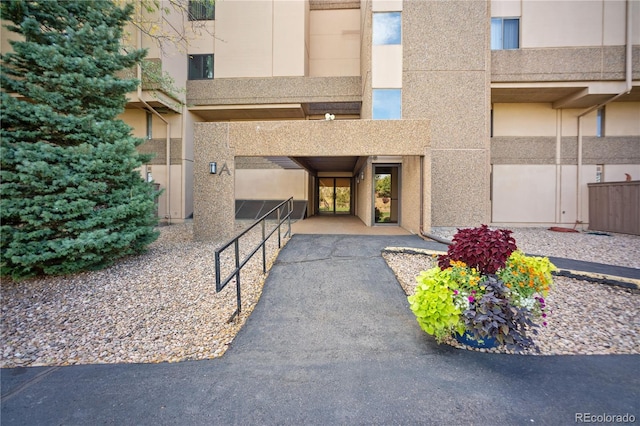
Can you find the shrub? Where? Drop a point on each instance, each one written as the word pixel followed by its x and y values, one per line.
pixel 71 197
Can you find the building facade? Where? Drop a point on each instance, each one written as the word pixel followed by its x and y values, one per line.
pixel 409 113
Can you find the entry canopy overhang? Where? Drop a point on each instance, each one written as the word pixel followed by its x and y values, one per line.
pixel 313 165
pixel 329 164
pixel 319 138
pixel 563 95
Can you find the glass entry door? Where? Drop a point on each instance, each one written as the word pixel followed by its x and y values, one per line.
pixel 386 194
pixel 334 195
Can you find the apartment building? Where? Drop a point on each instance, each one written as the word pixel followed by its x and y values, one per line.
pixel 409 113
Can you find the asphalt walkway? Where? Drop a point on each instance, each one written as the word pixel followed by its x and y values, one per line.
pixel 332 341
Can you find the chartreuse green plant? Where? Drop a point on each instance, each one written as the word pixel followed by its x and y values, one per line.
pixel 433 304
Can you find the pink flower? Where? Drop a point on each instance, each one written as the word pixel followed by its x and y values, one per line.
pixel 455 292
pixel 471 299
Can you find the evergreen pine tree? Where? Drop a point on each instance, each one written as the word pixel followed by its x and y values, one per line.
pixel 70 196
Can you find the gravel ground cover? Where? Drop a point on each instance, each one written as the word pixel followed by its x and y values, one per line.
pixel 158 307
pixel 162 306
pixel 585 317
pixel 610 248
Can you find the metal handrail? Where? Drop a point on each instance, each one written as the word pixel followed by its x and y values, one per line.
pixel 221 284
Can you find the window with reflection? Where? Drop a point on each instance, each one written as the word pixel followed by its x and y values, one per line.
pixel 505 33
pixel 202 10
pixel 200 67
pixel 387 104
pixel 387 28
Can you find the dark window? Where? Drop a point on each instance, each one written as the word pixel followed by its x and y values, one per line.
pixel 505 33
pixel 600 123
pixel 149 125
pixel 200 67
pixel 491 124
pixel 202 10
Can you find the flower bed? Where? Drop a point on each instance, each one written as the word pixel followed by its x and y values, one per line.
pixel 484 287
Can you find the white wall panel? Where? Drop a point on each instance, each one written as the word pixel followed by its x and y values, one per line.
pixel 386 63
pixel 537 119
pixel 270 184
pixel 524 193
pixel 616 172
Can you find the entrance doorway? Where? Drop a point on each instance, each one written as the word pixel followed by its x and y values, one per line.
pixel 386 194
pixel 334 195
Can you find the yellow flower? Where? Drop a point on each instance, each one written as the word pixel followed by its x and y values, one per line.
pixel 458 263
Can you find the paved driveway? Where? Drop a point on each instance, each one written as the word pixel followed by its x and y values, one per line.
pixel 332 341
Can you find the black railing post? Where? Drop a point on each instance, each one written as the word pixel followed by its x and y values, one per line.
pixel 278 216
pixel 238 275
pixel 290 206
pixel 218 279
pixel 264 248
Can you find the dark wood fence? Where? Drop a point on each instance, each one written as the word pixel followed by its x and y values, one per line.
pixel 615 207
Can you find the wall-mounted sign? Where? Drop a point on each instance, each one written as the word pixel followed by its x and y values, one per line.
pixel 225 169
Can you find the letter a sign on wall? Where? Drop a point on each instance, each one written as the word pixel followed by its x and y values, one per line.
pixel 225 169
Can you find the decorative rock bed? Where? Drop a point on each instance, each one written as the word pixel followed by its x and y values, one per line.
pixel 162 306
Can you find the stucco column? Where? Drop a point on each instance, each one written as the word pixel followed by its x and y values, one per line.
pixel 447 80
pixel 214 203
pixel 416 193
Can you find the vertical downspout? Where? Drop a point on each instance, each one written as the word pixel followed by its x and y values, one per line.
pixel 183 164
pixel 168 143
pixel 579 171
pixel 629 85
pixel 559 166
pixel 421 194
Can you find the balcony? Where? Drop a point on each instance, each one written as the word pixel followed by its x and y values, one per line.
pixel 274 97
pixel 567 77
pixel 157 90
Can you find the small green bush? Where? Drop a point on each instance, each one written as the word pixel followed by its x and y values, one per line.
pixel 433 304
